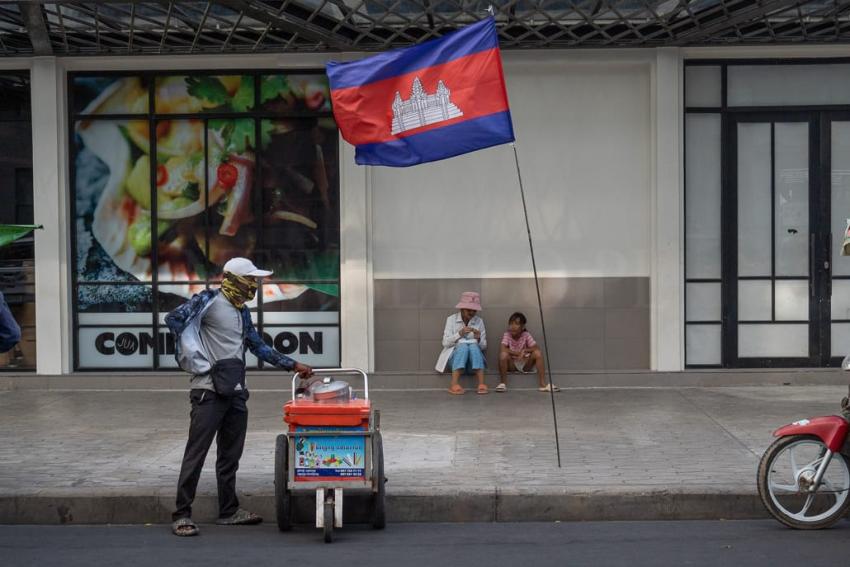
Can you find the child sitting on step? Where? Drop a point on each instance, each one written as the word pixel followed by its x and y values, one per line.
pixel 519 352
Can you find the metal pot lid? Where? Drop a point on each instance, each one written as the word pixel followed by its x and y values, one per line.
pixel 329 389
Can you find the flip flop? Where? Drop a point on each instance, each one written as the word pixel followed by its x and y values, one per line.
pixel 184 527
pixel 240 518
pixel 456 390
pixel 482 389
pixel 502 387
pixel 547 387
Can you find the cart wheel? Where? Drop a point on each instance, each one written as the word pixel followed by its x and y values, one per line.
pixel 379 516
pixel 329 521
pixel 282 495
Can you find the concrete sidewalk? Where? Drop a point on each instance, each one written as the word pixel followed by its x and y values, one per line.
pixel 638 453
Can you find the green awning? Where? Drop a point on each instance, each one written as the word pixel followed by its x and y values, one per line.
pixel 11 232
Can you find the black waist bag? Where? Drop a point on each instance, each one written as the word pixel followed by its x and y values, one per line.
pixel 228 377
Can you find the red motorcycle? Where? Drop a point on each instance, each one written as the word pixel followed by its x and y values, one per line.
pixel 804 476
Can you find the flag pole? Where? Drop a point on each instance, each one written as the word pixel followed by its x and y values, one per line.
pixel 539 305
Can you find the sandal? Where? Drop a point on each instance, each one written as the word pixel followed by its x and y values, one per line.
pixel 482 389
pixel 240 518
pixel 502 387
pixel 184 527
pixel 548 388
pixel 456 390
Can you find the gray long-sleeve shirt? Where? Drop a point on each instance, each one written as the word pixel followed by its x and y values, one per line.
pixel 222 336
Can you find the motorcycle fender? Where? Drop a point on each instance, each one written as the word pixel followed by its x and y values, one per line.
pixel 832 430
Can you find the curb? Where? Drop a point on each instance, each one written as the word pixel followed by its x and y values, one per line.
pixel 486 506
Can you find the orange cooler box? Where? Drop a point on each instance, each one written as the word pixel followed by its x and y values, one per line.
pixel 353 413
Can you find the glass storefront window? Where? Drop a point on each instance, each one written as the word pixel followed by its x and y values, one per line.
pixel 17 260
pixel 193 94
pixel 95 95
pixel 788 85
pixel 165 198
pixel 704 86
pixel 766 194
pixel 293 93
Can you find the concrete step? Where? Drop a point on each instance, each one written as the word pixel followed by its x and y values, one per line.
pixel 384 380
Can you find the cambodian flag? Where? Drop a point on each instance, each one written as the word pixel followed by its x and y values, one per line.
pixel 432 101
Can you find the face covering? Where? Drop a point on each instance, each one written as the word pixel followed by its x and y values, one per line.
pixel 238 289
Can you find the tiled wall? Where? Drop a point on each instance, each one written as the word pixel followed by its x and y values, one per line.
pixel 591 323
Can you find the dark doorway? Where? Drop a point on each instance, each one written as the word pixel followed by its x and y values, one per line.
pixel 17 260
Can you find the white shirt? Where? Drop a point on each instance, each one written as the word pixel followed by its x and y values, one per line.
pixel 451 337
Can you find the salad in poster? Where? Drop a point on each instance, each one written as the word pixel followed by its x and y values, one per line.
pixel 201 180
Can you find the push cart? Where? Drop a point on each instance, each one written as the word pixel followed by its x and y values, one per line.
pixel 332 444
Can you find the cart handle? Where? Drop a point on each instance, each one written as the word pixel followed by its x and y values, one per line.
pixel 339 371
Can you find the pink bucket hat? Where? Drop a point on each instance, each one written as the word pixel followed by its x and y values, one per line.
pixel 469 300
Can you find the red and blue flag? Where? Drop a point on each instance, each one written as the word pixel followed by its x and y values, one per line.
pixel 432 101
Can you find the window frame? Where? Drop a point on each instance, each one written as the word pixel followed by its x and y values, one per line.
pixel 257 114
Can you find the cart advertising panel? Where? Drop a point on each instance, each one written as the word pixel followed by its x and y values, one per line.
pixel 330 458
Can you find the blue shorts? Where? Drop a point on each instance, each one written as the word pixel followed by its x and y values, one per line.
pixel 467 356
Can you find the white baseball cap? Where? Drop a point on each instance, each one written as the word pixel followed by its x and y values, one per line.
pixel 245 267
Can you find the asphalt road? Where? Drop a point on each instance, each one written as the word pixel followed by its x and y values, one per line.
pixel 749 543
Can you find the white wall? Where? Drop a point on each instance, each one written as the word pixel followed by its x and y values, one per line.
pixel 584 136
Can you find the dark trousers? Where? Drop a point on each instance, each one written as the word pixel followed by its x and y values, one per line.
pixel 226 419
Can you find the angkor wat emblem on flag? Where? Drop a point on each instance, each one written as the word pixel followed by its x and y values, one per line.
pixel 422 109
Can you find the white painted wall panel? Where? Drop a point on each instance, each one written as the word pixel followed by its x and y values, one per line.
pixel 584 134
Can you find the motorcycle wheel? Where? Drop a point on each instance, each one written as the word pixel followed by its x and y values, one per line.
pixel 786 472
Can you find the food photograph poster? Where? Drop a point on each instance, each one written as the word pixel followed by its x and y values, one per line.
pixel 172 175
